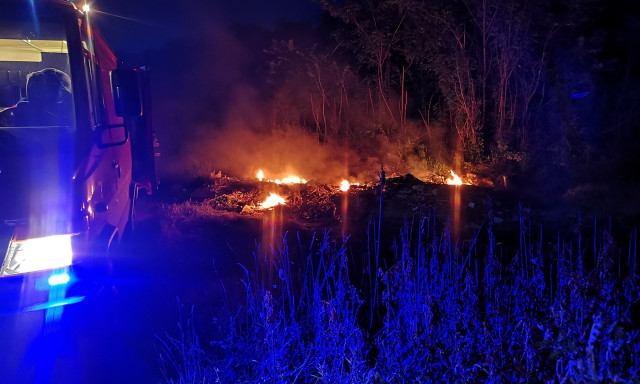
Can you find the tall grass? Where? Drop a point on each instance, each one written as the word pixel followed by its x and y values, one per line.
pixel 447 311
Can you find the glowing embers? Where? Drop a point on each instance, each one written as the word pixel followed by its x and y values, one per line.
pixel 455 180
pixel 345 185
pixel 291 179
pixel 273 200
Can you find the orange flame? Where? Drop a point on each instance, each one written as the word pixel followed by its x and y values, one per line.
pixel 344 185
pixel 271 201
pixel 454 180
pixel 291 179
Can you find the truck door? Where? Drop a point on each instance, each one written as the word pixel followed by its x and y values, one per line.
pixel 108 171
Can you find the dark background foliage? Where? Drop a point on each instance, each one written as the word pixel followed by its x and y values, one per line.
pixel 545 86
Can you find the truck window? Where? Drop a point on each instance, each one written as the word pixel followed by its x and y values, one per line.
pixel 35 78
pixel 99 62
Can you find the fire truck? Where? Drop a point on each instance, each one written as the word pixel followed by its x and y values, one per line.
pixel 76 143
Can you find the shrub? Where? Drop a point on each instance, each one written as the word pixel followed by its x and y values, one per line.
pixel 445 312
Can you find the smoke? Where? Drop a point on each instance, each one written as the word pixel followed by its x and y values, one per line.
pixel 241 148
pixel 242 152
pixel 248 141
pixel 215 110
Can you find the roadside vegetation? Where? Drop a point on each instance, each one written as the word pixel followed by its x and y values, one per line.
pixel 431 310
pixel 544 92
pixel 502 89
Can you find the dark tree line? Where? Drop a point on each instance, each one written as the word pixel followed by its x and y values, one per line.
pixel 503 79
pixel 520 84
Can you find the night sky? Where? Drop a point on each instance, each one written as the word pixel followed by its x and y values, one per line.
pixel 153 23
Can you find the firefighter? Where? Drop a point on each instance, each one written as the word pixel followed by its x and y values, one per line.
pixel 48 103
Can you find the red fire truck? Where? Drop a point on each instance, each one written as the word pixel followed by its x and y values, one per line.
pixel 76 144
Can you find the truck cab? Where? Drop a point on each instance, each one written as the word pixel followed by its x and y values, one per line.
pixel 76 143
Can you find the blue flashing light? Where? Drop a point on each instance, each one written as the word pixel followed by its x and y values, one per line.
pixel 55 280
pixel 58 279
pixel 54 304
pixel 579 95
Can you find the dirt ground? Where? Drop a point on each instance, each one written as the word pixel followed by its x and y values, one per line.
pixel 315 207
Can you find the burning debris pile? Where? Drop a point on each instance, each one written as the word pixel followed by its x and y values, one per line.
pixel 280 197
pixel 314 202
pixel 251 195
pixel 300 198
pixel 344 206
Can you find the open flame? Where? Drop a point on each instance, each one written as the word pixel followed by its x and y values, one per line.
pixel 271 201
pixel 454 179
pixel 345 185
pixel 291 179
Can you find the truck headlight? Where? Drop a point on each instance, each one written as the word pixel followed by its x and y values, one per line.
pixel 37 254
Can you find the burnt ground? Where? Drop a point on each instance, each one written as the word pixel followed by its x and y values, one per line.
pixel 231 202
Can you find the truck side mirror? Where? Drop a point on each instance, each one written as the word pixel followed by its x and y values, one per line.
pixel 112 135
pixel 126 93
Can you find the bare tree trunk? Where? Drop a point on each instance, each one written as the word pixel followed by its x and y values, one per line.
pixel 403 103
pixel 316 118
pixel 483 116
pixel 373 107
pixel 324 102
pixel 381 87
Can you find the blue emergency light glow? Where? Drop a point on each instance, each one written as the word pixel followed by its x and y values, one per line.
pixel 54 304
pixel 579 95
pixel 58 279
